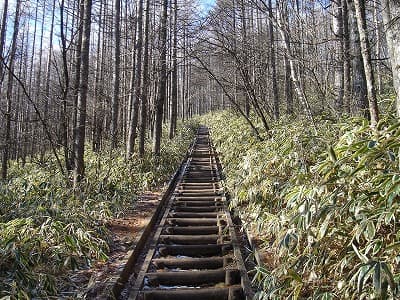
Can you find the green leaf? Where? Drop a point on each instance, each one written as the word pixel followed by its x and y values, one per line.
pixel 293 274
pixel 361 256
pixel 377 279
pixel 370 230
pixel 389 275
pixel 392 156
pixel 371 144
pixel 332 154
pixel 393 246
pixel 323 227
pixel 363 275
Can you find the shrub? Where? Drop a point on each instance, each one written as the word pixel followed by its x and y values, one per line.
pixel 325 204
pixel 46 228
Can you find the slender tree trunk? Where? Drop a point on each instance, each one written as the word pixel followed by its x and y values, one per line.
pixel 79 166
pixel 245 64
pixel 96 127
pixel 234 27
pixel 183 73
pixel 283 29
pixel 339 72
pixel 145 88
pixel 33 52
pixel 346 59
pixel 377 46
pixel 3 39
pixel 65 92
pixel 391 16
pixel 132 82
pixel 174 92
pixel 359 6
pixel 275 94
pixel 359 86
pixel 288 87
pixel 137 86
pixel 161 97
pixel 49 58
pixel 38 86
pixel 9 93
pixel 117 60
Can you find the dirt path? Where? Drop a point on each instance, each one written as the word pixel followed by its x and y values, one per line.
pixel 94 282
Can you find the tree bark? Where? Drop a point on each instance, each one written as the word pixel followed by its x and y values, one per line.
pixel 346 59
pixel 138 82
pixel 275 94
pixel 9 93
pixel 288 87
pixel 96 126
pixel 377 31
pixel 391 17
pixel 359 86
pixel 76 86
pixel 339 71
pixel 117 62
pixel 245 64
pixel 283 29
pixel 3 39
pixel 65 83
pixel 162 89
pixel 79 166
pixel 359 6
pixel 174 92
pixel 144 99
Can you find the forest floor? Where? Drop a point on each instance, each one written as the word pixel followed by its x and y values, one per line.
pixel 94 282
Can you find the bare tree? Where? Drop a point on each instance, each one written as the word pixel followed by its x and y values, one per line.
pixel 79 165
pixel 135 96
pixel 9 92
pixel 144 99
pixel 366 55
pixel 162 89
pixel 3 38
pixel 339 71
pixel 391 15
pixel 275 94
pixel 174 92
pixel 117 62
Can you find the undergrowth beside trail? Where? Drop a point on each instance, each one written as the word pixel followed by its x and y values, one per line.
pixel 326 205
pixel 47 229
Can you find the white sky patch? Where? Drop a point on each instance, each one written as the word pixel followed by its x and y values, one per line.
pixel 206 5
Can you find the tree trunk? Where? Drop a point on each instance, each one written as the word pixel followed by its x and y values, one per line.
pixel 283 29
pixel 288 87
pixel 143 119
pixel 339 72
pixel 359 86
pixel 346 59
pixel 159 105
pixel 174 92
pixel 76 83
pixel 377 30
pixel 117 60
pixel 273 63
pixel 79 166
pixel 3 39
pixel 138 82
pixel 245 46
pixel 391 16
pixel 65 92
pixel 9 93
pixel 359 6
pixel 96 126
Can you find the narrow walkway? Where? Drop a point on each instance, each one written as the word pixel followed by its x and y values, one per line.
pixel 194 253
